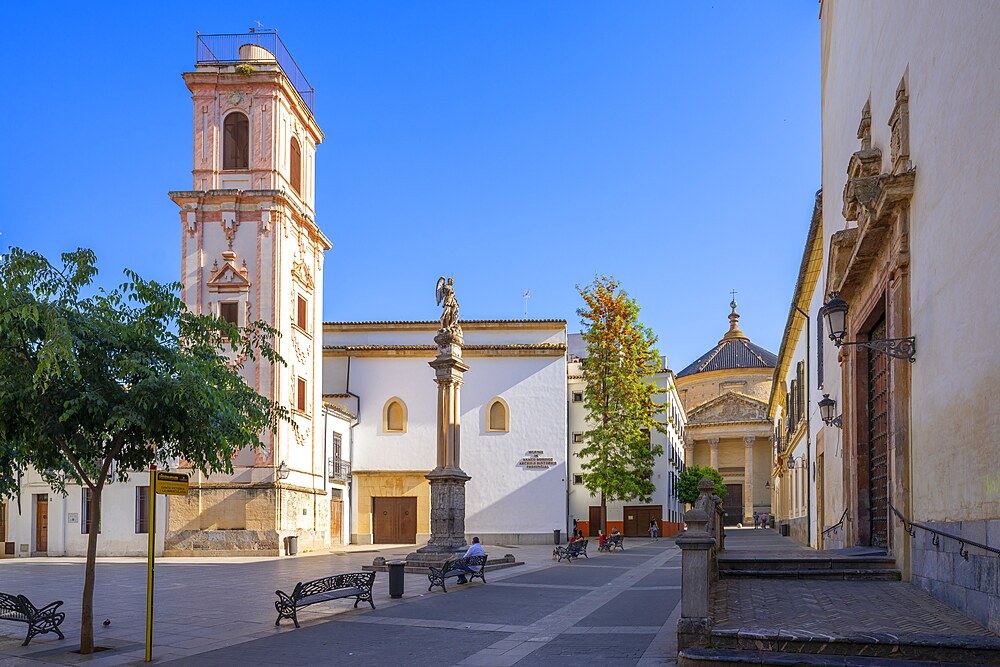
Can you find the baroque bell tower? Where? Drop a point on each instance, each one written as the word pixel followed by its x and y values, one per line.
pixel 251 250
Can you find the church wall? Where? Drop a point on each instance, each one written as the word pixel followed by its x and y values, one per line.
pixel 472 333
pixel 947 50
pixel 701 387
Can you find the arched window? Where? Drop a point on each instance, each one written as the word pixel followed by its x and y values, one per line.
pixel 295 168
pixel 394 416
pixel 236 142
pixel 497 416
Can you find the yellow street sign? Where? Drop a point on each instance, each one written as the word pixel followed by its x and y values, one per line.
pixel 171 483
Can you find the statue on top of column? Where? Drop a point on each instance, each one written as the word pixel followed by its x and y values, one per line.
pixel 445 293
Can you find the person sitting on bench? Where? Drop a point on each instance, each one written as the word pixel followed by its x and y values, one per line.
pixel 475 550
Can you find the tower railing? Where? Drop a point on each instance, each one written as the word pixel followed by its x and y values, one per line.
pixel 230 48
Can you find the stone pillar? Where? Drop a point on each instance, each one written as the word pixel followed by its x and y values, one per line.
pixel 714 442
pixel 697 549
pixel 447 480
pixel 689 451
pixel 748 441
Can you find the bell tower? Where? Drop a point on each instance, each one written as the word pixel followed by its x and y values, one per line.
pixel 251 250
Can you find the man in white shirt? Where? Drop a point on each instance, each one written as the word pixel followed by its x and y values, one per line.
pixel 475 550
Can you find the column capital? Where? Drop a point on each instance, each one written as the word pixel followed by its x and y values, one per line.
pixel 714 442
pixel 748 440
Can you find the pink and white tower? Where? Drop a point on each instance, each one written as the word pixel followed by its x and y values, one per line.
pixel 251 250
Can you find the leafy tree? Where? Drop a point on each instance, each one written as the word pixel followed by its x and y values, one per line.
pixel 687 483
pixel 90 377
pixel 619 396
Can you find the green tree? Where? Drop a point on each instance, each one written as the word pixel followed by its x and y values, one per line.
pixel 620 397
pixel 89 378
pixel 687 483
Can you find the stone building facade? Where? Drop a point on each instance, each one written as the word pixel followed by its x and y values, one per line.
pixel 724 393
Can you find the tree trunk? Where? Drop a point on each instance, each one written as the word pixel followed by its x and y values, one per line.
pixel 604 514
pixel 87 615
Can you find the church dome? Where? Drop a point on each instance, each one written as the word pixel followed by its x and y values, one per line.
pixel 734 351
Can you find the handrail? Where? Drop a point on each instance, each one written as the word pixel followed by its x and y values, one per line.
pixel 936 540
pixel 839 523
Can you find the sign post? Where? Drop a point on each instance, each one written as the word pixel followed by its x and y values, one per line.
pixel 165 483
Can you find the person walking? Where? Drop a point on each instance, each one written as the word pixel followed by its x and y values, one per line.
pixel 756 520
pixel 654 530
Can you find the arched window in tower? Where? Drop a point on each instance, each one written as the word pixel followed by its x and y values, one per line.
pixel 498 416
pixel 394 416
pixel 236 141
pixel 295 166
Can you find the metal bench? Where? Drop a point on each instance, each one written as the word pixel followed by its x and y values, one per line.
pixel 616 542
pixel 451 569
pixel 572 551
pixel 357 585
pixel 39 620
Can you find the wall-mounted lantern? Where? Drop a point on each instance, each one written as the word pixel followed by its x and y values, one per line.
pixel 283 471
pixel 834 314
pixel 828 410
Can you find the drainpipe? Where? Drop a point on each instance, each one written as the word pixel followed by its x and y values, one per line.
pixel 810 476
pixel 350 449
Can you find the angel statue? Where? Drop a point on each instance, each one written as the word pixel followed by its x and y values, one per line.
pixel 445 293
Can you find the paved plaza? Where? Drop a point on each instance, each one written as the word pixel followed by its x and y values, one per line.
pixel 615 609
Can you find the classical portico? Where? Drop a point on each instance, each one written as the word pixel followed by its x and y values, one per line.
pixel 724 394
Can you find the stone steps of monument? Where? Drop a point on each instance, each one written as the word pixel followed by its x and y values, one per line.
pixel 720 657
pixel 837 573
pixel 776 647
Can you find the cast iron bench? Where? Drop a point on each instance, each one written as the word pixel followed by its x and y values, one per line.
pixel 451 569
pixel 616 542
pixel 40 621
pixel 357 585
pixel 572 550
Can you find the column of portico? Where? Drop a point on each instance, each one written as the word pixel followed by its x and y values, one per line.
pixel 748 441
pixel 689 451
pixel 714 443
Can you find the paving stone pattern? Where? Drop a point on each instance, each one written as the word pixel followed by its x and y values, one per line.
pixel 610 610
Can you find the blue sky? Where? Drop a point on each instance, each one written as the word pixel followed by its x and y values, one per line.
pixel 514 145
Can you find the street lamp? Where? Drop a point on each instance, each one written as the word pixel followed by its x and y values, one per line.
pixel 283 471
pixel 827 408
pixel 834 313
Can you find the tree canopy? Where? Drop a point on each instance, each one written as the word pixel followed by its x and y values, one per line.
pixel 620 396
pixel 96 383
pixel 687 483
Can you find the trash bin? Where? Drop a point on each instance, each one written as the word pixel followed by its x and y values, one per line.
pixel 292 545
pixel 555 535
pixel 784 530
pixel 396 571
pixel 772 521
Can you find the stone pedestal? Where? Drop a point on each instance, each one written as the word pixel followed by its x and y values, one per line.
pixel 447 480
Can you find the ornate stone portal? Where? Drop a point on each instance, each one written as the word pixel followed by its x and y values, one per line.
pixel 447 480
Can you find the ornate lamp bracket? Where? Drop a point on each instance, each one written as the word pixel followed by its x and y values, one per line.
pixel 897 348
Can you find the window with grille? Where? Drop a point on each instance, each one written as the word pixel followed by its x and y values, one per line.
pixel 577 437
pixel 236 142
pixel 142 509
pixel 578 479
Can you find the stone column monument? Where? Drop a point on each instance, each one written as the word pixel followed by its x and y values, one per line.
pixel 447 479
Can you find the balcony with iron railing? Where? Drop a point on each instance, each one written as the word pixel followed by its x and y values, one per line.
pixel 338 470
pixel 254 47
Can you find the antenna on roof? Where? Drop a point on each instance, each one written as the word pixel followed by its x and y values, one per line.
pixel 527 295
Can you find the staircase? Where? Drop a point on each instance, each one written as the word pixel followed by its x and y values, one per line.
pixel 779 604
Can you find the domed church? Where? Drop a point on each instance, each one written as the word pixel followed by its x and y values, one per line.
pixel 725 393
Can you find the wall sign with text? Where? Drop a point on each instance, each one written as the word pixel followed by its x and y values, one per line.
pixel 535 460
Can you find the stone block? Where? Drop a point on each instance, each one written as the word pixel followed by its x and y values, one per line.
pixel 977 605
pixel 993 533
pixel 974 530
pixel 965 573
pixel 994 617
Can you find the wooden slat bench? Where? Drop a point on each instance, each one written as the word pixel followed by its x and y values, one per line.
pixel 572 551
pixel 450 569
pixel 40 620
pixel 357 585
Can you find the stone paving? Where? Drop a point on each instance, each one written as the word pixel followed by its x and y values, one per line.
pixel 611 609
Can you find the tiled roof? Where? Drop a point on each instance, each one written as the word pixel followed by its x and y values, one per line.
pixel 731 353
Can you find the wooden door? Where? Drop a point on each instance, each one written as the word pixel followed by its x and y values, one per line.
pixel 878 441
pixel 336 521
pixel 394 520
pixel 733 505
pixel 637 518
pixel 42 523
pixel 595 521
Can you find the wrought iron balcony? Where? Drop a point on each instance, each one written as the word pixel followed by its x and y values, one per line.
pixel 259 46
pixel 338 470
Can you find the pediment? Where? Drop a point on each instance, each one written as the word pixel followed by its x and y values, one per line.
pixel 730 407
pixel 228 278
